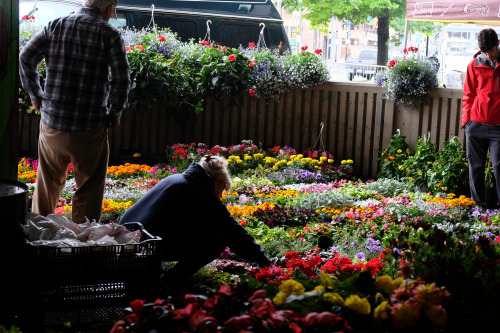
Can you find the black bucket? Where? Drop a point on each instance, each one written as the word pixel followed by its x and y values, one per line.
pixel 13 245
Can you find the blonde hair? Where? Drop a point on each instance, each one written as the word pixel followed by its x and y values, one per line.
pixel 216 167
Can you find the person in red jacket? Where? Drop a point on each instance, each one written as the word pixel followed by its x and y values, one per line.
pixel 481 114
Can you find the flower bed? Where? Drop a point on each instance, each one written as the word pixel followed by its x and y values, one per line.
pixel 349 255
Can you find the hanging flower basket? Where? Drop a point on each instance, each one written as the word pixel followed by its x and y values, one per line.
pixel 408 81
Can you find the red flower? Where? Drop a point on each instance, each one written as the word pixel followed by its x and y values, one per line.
pixel 119 327
pixel 281 42
pixel 137 305
pixel 139 47
pixel 318 51
pixel 223 48
pixel 231 57
pixel 251 92
pixel 162 38
pixel 25 17
pixel 128 48
pixel 250 64
pixel 392 63
pixel 303 48
pixel 252 44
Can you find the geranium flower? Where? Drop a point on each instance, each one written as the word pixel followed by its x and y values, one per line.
pixel 128 48
pixel 231 57
pixel 139 47
pixel 318 51
pixel 303 48
pixel 137 305
pixel 161 38
pixel 251 92
pixel 251 44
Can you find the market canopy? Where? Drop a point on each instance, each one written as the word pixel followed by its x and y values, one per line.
pixel 484 12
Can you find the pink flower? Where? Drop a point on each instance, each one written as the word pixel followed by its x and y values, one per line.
pixel 405 314
pixel 162 38
pixel 231 57
pixel 251 92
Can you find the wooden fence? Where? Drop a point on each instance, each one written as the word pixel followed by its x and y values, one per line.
pixel 350 120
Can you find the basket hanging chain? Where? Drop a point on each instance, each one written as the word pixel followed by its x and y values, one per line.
pixel 207 35
pixel 152 21
pixel 262 42
pixel 320 137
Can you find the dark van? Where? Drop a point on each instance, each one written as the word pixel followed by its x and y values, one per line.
pixel 224 22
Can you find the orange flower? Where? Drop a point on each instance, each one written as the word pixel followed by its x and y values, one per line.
pixel 139 47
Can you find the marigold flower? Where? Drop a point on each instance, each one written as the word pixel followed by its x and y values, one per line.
pixel 358 304
pixel 382 311
pixel 280 298
pixel 334 298
pixel 291 287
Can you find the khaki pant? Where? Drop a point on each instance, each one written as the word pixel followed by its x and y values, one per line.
pixel 89 153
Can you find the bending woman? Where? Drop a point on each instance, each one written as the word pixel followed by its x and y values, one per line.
pixel 185 210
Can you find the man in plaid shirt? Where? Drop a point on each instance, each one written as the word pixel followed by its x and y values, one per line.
pixel 84 93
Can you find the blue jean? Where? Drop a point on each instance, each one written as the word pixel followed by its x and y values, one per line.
pixel 481 137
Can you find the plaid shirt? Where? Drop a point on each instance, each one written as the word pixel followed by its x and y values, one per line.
pixel 79 51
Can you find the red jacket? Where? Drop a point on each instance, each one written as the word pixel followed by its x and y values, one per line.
pixel 481 102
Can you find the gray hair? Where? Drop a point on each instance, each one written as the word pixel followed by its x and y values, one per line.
pixel 216 166
pixel 99 4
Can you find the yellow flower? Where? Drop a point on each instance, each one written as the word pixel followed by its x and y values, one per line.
pixel 248 158
pixel 280 298
pixel 350 162
pixel 326 279
pixel 323 158
pixel 410 179
pixel 382 312
pixel 330 160
pixel 358 304
pixel 334 298
pixel 291 287
pixel 399 151
pixel 385 283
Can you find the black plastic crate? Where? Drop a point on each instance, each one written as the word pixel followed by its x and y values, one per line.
pixel 92 284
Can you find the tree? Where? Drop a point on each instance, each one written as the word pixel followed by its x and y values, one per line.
pixel 320 12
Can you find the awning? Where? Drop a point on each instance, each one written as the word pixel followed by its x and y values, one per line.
pixel 485 12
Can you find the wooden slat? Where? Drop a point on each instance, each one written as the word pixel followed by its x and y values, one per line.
pixel 358 124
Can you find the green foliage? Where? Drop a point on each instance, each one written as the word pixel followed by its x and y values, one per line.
pixel 450 169
pixel 393 157
pixel 417 166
